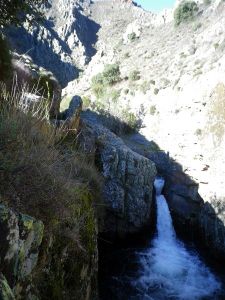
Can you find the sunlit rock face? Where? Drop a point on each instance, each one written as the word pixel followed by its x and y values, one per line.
pixel 128 182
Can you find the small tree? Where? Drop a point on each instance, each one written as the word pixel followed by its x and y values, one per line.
pixel 185 12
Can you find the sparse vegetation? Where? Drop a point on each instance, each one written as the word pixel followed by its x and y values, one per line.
pixel 109 76
pixel 216 114
pixel 144 87
pixel 114 95
pixel 216 46
pixel 134 75
pixel 132 36
pixel 101 81
pixel 152 110
pixel 131 120
pixel 156 91
pixel 39 176
pixel 196 26
pixel 185 12
pixel 86 101
pixel 198 132
pixel 152 82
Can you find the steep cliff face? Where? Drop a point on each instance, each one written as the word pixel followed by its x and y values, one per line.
pixel 63 43
pixel 128 181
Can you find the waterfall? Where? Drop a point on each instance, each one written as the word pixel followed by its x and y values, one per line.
pixel 168 269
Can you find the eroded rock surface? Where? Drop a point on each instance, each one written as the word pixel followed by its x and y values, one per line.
pixel 128 181
pixel 20 239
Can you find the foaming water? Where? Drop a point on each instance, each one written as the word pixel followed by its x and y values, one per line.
pixel 168 269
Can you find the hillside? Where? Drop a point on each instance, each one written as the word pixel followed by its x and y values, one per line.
pixel 178 89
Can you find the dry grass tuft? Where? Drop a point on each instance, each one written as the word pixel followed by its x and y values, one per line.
pixel 38 175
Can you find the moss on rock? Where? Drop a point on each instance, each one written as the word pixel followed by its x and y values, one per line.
pixel 5 290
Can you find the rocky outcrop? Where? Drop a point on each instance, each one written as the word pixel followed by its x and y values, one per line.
pixel 40 265
pixel 128 181
pixel 56 45
pixel 71 115
pixel 36 80
pixel 211 226
pixel 20 239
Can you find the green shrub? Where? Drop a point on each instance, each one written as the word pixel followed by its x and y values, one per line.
pixel 156 91
pixel 5 60
pixel 130 119
pixel 97 79
pixel 197 26
pixel 98 90
pixel 185 12
pixel 86 101
pixel 114 95
pixel 152 110
pixel 111 74
pixel 134 75
pixel 152 82
pixel 132 36
pixel 144 87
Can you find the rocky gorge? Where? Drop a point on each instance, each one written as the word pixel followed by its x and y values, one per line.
pixel 128 96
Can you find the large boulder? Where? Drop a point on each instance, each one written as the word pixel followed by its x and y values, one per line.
pixel 20 239
pixel 45 265
pixel 128 181
pixel 71 110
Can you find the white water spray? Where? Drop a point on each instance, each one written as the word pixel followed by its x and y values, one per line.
pixel 169 270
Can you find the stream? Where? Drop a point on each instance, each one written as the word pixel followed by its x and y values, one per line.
pixel 165 269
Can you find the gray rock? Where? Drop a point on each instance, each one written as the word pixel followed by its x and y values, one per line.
pixel 20 239
pixel 70 117
pixel 183 208
pixel 211 224
pixel 128 183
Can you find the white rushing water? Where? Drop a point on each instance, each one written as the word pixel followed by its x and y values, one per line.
pixel 169 270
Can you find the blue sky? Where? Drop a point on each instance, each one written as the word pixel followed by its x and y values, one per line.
pixel 155 5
